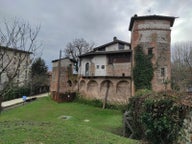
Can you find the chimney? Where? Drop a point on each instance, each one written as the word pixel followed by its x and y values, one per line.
pixel 114 38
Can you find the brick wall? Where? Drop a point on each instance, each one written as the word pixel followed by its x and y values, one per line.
pixel 119 69
pixel 67 82
pixel 118 91
pixel 154 34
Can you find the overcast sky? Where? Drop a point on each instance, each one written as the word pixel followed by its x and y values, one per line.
pixel 96 21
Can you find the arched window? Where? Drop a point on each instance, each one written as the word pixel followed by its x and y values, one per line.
pixel 87 69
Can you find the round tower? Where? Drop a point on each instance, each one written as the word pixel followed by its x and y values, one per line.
pixel 153 34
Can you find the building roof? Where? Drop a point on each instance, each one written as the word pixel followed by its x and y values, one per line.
pixel 97 52
pixel 15 50
pixel 115 40
pixel 104 52
pixel 56 60
pixel 151 17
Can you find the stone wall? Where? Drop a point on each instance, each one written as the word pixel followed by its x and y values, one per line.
pixel 116 89
pixel 119 69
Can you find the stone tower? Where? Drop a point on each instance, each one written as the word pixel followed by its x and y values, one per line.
pixel 153 33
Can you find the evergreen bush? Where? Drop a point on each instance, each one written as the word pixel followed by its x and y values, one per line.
pixel 16 92
pixel 157 118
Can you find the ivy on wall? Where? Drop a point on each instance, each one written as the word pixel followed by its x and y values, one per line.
pixel 143 69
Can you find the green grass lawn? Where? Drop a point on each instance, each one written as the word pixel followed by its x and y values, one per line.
pixel 40 122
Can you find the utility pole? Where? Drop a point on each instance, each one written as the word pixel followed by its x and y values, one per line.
pixel 59 71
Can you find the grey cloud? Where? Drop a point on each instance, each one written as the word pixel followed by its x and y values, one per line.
pixel 95 20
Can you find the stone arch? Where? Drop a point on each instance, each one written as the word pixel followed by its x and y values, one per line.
pixel 92 89
pixel 123 90
pixel 106 89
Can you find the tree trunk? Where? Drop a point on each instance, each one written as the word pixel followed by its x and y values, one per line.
pixel 0 104
pixel 106 95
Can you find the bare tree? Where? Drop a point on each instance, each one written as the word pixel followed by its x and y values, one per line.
pixel 182 65
pixel 17 41
pixel 77 47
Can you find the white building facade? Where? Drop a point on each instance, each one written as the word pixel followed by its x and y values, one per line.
pixel 105 72
pixel 15 65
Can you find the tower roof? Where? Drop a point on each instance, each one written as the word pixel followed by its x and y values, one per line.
pixel 151 17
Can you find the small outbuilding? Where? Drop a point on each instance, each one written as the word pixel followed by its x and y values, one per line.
pixel 63 80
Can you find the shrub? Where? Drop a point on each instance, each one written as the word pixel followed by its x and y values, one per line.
pixel 16 92
pixel 161 120
pixel 142 92
pixel 156 117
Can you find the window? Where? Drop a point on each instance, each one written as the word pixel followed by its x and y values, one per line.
pixel 119 58
pixel 26 64
pixel 25 74
pixel 121 46
pixel 102 67
pixel 18 73
pixel 53 76
pixel 150 51
pixel 101 49
pixel 70 69
pixel 162 72
pixel 75 68
pixel 87 69
pixel 110 59
pixel 97 66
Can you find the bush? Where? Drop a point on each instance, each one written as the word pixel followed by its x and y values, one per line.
pixel 16 92
pixel 161 120
pixel 143 92
pixel 66 97
pixel 156 117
